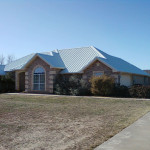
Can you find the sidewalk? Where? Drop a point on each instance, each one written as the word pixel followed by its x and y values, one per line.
pixel 134 137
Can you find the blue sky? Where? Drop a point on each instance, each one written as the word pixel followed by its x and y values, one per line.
pixel 118 27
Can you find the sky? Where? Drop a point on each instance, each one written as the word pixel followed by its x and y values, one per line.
pixel 118 27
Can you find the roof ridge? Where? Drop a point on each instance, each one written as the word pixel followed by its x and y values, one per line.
pixel 74 48
pixel 95 49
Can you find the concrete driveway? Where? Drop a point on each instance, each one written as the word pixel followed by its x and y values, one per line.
pixel 134 137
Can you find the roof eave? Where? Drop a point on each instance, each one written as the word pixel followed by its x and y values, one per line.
pixel 134 73
pixel 72 73
pixel 58 67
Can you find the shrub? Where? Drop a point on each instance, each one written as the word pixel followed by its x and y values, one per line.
pixel 103 85
pixel 6 84
pixel 140 91
pixel 61 85
pixel 121 91
pixel 71 85
pixel 84 88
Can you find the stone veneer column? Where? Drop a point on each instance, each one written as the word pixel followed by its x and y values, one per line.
pixel 17 80
pixel 26 81
pixel 52 75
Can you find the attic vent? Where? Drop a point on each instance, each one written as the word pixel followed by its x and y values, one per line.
pixel 97 64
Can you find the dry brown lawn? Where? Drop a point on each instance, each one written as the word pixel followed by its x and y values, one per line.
pixel 63 123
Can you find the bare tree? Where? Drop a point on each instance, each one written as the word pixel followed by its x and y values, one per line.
pixel 2 59
pixel 10 58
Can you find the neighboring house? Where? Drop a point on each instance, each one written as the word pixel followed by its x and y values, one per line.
pixel 2 72
pixel 37 72
pixel 148 71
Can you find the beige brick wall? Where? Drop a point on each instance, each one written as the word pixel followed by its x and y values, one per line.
pixel 19 80
pixel 50 74
pixel 96 66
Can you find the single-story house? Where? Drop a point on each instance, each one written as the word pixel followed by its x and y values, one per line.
pixel 2 72
pixel 36 72
pixel 148 71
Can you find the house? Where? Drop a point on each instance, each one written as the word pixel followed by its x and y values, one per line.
pixel 37 72
pixel 148 71
pixel 2 72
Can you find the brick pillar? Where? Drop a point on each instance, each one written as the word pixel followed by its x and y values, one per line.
pixel 52 75
pixel 26 81
pixel 17 80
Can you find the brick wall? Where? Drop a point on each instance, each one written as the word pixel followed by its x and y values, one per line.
pixel 50 74
pixel 96 66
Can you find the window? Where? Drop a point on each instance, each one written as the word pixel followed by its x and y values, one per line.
pixel 39 79
pixel 98 73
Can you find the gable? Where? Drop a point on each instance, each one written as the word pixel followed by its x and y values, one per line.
pixel 51 58
pixel 36 60
pixel 97 66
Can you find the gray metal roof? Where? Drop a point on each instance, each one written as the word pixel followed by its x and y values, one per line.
pixel 52 58
pixel 76 59
pixel 2 72
pixel 121 65
pixel 19 63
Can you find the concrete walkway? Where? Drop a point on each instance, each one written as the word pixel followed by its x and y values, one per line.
pixel 134 137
